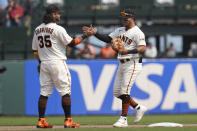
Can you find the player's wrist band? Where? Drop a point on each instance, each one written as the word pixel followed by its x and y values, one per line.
pixel 35 52
pixel 84 36
pixel 134 51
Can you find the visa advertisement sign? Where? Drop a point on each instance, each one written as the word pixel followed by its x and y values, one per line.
pixel 164 86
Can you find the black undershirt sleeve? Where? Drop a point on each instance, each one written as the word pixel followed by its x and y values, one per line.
pixel 134 51
pixel 104 38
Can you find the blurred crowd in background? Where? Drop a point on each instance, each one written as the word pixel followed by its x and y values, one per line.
pixel 12 12
pixel 18 13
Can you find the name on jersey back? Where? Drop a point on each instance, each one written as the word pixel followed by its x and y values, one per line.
pixel 43 30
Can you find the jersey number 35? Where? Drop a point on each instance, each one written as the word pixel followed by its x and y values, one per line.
pixel 44 41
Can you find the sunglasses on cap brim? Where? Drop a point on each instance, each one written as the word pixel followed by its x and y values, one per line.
pixel 124 14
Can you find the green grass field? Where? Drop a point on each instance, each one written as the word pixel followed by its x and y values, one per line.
pixel 107 120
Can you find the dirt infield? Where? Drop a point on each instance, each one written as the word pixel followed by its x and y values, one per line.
pixel 11 128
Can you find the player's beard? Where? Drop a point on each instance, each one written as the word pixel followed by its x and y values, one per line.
pixel 125 24
pixel 128 24
pixel 57 20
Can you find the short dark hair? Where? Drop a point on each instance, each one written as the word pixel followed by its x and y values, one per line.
pixel 48 18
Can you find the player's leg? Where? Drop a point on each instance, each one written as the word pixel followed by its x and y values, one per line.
pixel 42 103
pixel 140 109
pixel 117 82
pixel 128 79
pixel 131 72
pixel 42 123
pixel 45 92
pixel 125 104
pixel 66 105
pixel 122 121
pixel 136 70
pixel 133 103
pixel 62 81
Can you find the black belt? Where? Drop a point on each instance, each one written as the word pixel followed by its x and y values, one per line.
pixel 126 60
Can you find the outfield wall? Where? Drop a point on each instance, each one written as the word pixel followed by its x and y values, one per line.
pixel 12 88
pixel 164 86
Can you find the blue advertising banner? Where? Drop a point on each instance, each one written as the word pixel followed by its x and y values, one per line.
pixel 164 86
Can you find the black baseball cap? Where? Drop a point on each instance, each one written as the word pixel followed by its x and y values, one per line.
pixel 52 8
pixel 127 13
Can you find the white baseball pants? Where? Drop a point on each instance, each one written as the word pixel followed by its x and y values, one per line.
pixel 126 76
pixel 55 73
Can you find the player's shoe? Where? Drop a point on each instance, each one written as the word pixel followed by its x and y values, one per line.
pixel 140 110
pixel 43 124
pixel 69 123
pixel 122 122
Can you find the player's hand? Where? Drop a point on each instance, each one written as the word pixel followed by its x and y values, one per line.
pixel 38 69
pixel 123 51
pixel 117 45
pixel 3 69
pixel 88 31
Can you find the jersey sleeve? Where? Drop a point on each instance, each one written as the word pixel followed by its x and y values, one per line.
pixel 34 41
pixel 114 34
pixel 64 37
pixel 140 39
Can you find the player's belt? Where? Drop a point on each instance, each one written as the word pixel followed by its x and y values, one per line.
pixel 130 59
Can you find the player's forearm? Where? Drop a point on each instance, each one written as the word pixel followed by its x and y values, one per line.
pixel 104 38
pixel 140 49
pixel 76 41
